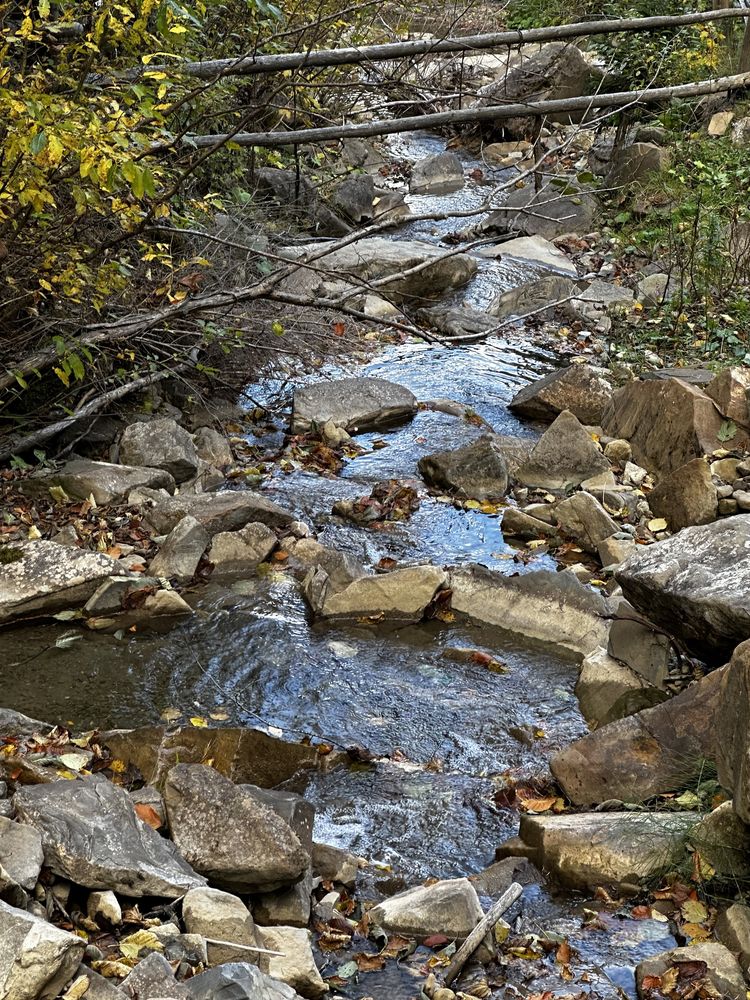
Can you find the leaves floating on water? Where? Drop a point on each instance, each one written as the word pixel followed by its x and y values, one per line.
pixel 388 501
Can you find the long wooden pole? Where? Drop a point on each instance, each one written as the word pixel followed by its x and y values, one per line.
pixel 572 105
pixel 248 65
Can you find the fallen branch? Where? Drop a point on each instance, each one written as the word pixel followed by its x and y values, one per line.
pixel 476 937
pixel 254 64
pixel 571 105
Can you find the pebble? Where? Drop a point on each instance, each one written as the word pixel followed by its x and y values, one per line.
pixel 299 529
pixel 724 491
pixel 742 498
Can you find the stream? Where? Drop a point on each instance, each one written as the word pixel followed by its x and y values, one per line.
pixel 455 732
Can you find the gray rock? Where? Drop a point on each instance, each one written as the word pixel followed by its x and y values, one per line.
pixel 518 524
pixel 335 864
pixel 722 968
pixel 552 607
pixel 641 647
pixel 401 595
pixel 438 174
pixel 456 321
pixel 100 988
pixel 729 391
pixel 180 553
pixel 227 510
pixel 109 596
pixel 477 470
pixel 299 196
pixel 607 689
pixel 353 197
pixel 600 301
pixel 212 447
pixel 220 916
pixel 91 835
pixel 106 482
pixel 105 906
pixel 450 907
pixel 547 213
pixel 36 958
pixel 297 966
pixel 613 551
pixel 636 162
pixel 297 812
pixel 565 455
pixel 658 750
pixel 160 444
pixel 21 854
pixel 618 451
pixel 49 578
pixel 732 720
pixel 539 296
pixel 695 585
pixel 356 404
pixel 655 289
pixel 286 907
pixel 340 567
pixel 226 834
pixel 582 518
pixel 581 389
pixel 535 250
pixel 582 850
pixel 733 931
pixel 16 724
pixel 237 981
pixel 153 979
pixel 686 496
pixel 723 841
pixel 384 264
pixel 241 551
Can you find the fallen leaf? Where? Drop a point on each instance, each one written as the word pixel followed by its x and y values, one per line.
pixel 171 714
pixel 657 524
pixel 111 969
pixel 563 953
pixel 369 963
pixel 198 722
pixel 436 941
pixel 694 911
pixel 142 940
pixel 148 814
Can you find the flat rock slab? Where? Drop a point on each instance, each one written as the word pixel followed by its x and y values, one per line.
pixel 722 970
pixel 227 510
pixel 582 389
pixel 609 848
pixel 49 577
pixel 696 585
pixel 658 750
pixel 534 249
pixel 92 836
pixel 402 595
pixel 356 404
pixel 36 958
pixel 450 907
pixel 225 833
pixel 106 482
pixel 243 755
pixel 553 607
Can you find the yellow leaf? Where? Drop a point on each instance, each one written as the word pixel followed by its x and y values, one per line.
pixel 54 150
pixel 34 533
pixel 118 766
pixel 657 524
pixel 142 940
pixel 198 722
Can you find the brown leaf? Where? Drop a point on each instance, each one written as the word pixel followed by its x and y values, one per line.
pixel 369 963
pixel 148 814
pixel 651 983
pixel 436 941
pixel 563 954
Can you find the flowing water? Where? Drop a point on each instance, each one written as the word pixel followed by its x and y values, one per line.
pixel 453 732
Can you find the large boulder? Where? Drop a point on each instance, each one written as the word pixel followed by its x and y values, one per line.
pixel 160 444
pixel 607 689
pixel 564 456
pixel 40 578
pixel 582 518
pixel 402 595
pixel 695 585
pixel 548 212
pixel 532 250
pixel 37 959
pixel 356 404
pixel 705 961
pixel 106 482
pixel 729 390
pixel 228 835
pixel 553 607
pixel 733 723
pixel 477 470
pixel 240 754
pixel 658 750
pixel 667 421
pixel 404 270
pixel 686 496
pixel 582 389
pixel 450 907
pixel 636 162
pixel 438 174
pixel 92 836
pixel 582 850
pixel 227 510
pixel 540 297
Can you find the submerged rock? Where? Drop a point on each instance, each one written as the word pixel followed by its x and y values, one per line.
pixel 722 970
pixel 450 907
pixel 356 404
pixel 584 850
pixel 227 510
pixel 106 482
pixel 658 750
pixel 40 578
pixel 226 834
pixel 564 456
pixel 402 595
pixel 92 836
pixel 477 470
pixel 160 444
pixel 553 607
pixel 37 959
pixel 534 249
pixel 695 585
pixel 581 389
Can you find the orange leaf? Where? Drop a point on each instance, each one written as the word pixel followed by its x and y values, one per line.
pixel 148 814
